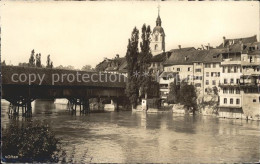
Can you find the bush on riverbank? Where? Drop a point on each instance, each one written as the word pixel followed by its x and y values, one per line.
pixel 29 142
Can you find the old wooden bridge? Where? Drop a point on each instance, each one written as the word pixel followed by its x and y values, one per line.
pixel 22 85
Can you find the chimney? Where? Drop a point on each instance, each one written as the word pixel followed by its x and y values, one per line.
pixel 117 55
pixel 208 46
pixel 224 40
pixel 179 46
pixel 240 41
pixel 202 47
pixel 105 58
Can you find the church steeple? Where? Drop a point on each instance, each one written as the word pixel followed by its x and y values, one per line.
pixel 158 20
pixel 158 36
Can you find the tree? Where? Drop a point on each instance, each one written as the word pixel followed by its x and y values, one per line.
pixel 34 142
pixel 188 96
pixel 49 63
pixel 174 93
pixel 86 68
pixel 32 59
pixel 144 60
pixel 132 67
pixel 23 64
pixel 38 60
pixel 3 63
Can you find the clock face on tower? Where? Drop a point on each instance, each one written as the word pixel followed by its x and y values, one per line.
pixel 158 38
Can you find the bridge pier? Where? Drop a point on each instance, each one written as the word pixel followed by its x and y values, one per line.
pixel 16 104
pixel 82 103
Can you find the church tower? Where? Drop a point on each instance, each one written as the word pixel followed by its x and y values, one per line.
pixel 158 37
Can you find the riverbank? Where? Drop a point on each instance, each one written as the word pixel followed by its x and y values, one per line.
pixel 140 137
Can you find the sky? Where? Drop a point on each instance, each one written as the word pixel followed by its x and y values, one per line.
pixel 83 33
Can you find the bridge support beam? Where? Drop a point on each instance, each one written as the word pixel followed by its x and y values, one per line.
pixel 81 103
pixel 114 102
pixel 16 104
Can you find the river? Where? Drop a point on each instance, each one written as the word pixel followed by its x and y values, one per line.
pixel 121 137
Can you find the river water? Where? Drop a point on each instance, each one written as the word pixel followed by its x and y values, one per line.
pixel 139 137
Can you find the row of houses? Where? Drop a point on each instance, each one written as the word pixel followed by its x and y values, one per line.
pixel 233 68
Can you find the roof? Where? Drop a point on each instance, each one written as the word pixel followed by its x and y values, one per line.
pixel 159 58
pixel 169 74
pixel 91 78
pixel 163 56
pixel 114 64
pixel 182 49
pixel 192 56
pixel 237 40
pixel 159 29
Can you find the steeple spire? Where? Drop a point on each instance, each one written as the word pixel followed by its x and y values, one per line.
pixel 158 10
pixel 158 21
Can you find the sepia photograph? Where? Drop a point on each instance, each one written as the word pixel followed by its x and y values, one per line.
pixel 130 81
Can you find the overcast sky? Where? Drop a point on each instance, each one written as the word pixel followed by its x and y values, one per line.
pixel 80 33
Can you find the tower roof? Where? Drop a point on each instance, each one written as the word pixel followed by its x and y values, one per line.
pixel 158 21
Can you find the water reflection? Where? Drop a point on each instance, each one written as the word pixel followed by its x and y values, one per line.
pixel 148 137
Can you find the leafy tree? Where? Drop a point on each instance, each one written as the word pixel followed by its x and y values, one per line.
pixel 23 64
pixel 188 96
pixel 132 67
pixel 49 63
pixel 86 68
pixel 32 59
pixel 3 63
pixel 32 142
pixel 174 93
pixel 144 60
pixel 38 60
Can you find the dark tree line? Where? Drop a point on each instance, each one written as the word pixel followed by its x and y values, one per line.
pixel 138 62
pixel 35 61
pixel 184 94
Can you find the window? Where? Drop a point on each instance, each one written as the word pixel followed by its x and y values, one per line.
pixel 223 69
pixel 254 100
pixel 207 74
pixel 231 81
pixel 188 68
pixel 178 69
pixel 238 81
pixel 197 85
pixel 207 65
pixel 153 64
pixel 172 68
pixel 156 37
pixel 214 65
pixel 225 90
pixel 207 82
pixel 225 81
pixel 156 47
pixel 237 101
pixel 225 100
pixel 198 70
pixel 250 59
pixel 229 69
pixel 259 98
pixel 213 82
pixel 231 91
pixel 237 91
pixel 231 101
pixel 235 69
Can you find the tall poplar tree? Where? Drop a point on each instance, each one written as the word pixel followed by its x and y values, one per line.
pixel 32 59
pixel 144 60
pixel 132 67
